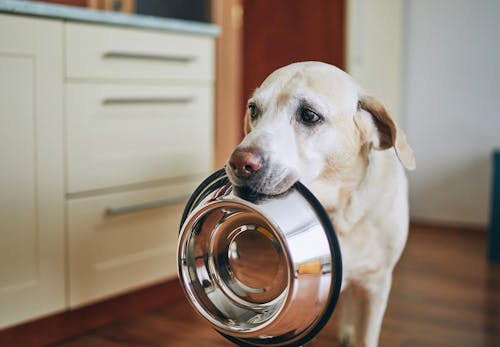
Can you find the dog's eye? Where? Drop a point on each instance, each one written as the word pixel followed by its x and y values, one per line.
pixel 309 117
pixel 253 111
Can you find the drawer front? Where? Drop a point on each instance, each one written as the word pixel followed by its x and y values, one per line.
pixel 99 52
pixel 124 134
pixel 122 241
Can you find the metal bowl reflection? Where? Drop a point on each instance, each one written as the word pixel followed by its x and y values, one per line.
pixel 263 272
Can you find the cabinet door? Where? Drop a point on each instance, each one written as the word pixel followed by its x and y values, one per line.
pixel 122 241
pixel 31 169
pixel 119 134
pixel 97 52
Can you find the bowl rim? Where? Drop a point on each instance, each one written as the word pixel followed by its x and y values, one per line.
pixel 219 179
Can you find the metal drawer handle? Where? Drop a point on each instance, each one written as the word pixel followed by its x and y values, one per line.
pixel 148 100
pixel 114 211
pixel 150 56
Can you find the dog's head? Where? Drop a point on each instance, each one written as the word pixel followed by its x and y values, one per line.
pixel 310 121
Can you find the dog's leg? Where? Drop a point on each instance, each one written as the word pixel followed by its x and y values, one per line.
pixel 377 294
pixel 350 319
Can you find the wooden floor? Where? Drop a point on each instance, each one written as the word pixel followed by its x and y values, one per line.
pixel 444 295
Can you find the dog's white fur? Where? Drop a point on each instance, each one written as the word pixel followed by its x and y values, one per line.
pixel 351 160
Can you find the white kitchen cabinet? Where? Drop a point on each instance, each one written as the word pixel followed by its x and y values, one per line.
pixel 128 133
pixel 139 120
pixel 97 52
pixel 32 268
pixel 121 241
pixel 104 132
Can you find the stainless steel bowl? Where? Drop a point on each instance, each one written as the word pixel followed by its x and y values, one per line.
pixel 262 271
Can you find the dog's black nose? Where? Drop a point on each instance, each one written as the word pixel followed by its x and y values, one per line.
pixel 245 162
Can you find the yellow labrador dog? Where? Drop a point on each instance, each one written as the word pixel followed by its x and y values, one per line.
pixel 311 122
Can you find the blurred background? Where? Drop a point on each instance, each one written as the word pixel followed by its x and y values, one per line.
pixel 435 65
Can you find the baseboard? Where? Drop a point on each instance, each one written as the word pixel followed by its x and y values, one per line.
pixel 423 223
pixel 60 326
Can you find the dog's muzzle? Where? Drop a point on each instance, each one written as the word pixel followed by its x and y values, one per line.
pixel 250 171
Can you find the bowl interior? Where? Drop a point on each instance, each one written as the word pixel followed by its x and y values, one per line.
pixel 237 266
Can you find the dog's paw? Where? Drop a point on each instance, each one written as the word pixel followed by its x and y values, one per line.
pixel 346 342
pixel 347 336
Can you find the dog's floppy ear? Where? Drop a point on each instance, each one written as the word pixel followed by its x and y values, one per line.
pixel 378 128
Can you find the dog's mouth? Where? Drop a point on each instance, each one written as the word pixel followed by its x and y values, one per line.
pixel 265 184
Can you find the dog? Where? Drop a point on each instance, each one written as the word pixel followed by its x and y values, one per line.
pixel 310 121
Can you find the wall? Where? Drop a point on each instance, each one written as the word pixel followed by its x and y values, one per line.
pixel 374 52
pixel 452 106
pixel 435 66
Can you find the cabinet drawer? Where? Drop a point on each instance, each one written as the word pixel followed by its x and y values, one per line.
pixel 116 243
pixel 123 134
pixel 94 51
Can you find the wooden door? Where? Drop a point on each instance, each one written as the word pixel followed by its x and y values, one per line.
pixel 280 32
pixel 271 34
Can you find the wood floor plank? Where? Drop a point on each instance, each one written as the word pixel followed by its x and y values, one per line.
pixel 444 294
